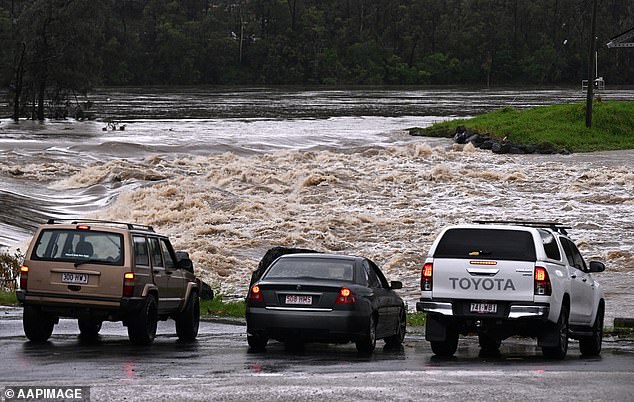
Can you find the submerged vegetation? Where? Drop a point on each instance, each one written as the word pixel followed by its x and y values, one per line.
pixel 560 125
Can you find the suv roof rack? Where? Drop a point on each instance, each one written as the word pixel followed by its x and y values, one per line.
pixel 130 226
pixel 555 226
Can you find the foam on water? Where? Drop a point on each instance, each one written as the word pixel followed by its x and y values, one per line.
pixel 387 203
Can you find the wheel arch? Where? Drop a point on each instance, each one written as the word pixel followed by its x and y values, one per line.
pixel 192 288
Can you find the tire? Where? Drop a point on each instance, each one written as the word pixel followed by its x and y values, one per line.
pixel 188 321
pixel 142 327
pixel 89 328
pixel 488 344
pixel 591 345
pixel 559 351
pixel 401 329
pixel 38 326
pixel 367 343
pixel 257 342
pixel 448 347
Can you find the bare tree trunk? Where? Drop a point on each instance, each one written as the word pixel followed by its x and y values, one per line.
pixel 292 9
pixel 19 74
pixel 40 100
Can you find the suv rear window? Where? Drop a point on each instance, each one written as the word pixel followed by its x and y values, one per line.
pixel 498 244
pixel 331 269
pixel 79 245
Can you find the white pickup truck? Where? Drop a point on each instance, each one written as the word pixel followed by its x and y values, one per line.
pixel 504 278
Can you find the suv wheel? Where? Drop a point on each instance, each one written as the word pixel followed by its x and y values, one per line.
pixel 448 347
pixel 591 345
pixel 38 326
pixel 188 320
pixel 559 351
pixel 89 328
pixel 368 342
pixel 142 327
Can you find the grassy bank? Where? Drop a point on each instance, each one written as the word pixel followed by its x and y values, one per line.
pixel 561 125
pixel 235 309
pixel 8 298
pixel 219 308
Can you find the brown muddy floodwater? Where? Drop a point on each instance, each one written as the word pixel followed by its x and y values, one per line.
pixel 333 171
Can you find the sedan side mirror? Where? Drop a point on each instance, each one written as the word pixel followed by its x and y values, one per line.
pixel 394 285
pixel 597 266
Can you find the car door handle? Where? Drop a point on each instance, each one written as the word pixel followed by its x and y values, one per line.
pixel 573 276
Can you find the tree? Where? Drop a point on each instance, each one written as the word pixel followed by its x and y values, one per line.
pixel 56 54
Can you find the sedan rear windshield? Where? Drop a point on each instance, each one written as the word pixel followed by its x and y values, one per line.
pixel 329 269
pixel 487 244
pixel 74 245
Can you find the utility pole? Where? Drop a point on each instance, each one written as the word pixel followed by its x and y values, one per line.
pixel 591 71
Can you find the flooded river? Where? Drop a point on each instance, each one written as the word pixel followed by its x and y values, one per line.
pixel 230 173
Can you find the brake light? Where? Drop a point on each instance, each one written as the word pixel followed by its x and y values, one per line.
pixel 426 277
pixel 128 284
pixel 255 294
pixel 83 227
pixel 24 276
pixel 542 282
pixel 346 297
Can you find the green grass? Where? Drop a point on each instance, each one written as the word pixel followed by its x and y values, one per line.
pixel 7 297
pixel 415 319
pixel 217 307
pixel 561 125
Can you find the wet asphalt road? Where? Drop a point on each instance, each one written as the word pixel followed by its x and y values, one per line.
pixel 219 367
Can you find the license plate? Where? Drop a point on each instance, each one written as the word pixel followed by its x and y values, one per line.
pixel 294 299
pixel 484 308
pixel 72 277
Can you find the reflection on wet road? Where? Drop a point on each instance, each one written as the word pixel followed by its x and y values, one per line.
pixel 218 366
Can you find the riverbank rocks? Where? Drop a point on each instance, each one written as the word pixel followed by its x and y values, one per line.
pixel 503 146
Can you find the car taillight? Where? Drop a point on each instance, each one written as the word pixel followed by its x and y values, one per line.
pixel 346 297
pixel 128 284
pixel 426 277
pixel 24 276
pixel 255 293
pixel 542 282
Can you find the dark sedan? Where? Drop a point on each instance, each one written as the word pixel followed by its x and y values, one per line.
pixel 325 298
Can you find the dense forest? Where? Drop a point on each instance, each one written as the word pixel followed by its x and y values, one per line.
pixel 55 50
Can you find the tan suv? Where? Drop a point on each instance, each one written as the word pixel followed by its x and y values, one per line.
pixel 99 271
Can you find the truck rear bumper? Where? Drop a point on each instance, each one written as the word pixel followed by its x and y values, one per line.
pixel 508 310
pixel 434 307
